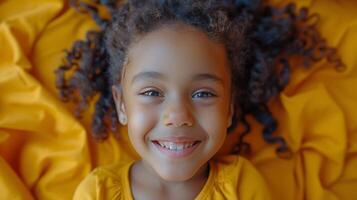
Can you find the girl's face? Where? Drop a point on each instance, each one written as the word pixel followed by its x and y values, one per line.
pixel 176 96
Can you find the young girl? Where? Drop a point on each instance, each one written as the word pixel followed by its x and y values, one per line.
pixel 180 75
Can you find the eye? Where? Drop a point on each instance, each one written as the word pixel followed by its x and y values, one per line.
pixel 151 93
pixel 203 94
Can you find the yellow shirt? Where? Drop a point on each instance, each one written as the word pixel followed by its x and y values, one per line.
pixel 230 177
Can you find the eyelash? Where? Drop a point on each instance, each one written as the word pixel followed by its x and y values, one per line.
pixel 206 92
pixel 202 92
pixel 149 91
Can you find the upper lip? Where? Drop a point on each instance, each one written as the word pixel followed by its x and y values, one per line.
pixel 176 139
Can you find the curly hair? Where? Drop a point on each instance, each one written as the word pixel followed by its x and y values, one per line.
pixel 260 40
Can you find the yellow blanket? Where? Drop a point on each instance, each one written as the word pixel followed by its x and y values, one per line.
pixel 45 152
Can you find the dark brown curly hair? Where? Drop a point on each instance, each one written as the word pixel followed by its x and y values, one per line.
pixel 260 40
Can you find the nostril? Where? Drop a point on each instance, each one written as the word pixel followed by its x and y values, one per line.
pixel 186 123
pixel 178 119
pixel 178 124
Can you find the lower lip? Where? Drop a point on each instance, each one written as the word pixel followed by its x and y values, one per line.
pixel 176 154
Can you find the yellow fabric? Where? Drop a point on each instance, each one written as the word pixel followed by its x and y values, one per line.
pixel 230 177
pixel 45 152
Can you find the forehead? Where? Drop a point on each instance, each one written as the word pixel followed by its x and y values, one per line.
pixel 179 51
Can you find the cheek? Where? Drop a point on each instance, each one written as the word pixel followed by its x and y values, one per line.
pixel 141 120
pixel 213 119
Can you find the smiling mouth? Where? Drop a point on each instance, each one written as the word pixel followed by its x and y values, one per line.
pixel 176 149
pixel 176 146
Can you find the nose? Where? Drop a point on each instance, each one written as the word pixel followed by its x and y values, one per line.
pixel 178 115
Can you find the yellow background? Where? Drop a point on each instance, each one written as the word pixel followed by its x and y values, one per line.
pixel 45 151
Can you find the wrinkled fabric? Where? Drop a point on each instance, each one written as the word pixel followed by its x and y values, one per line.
pixel 45 152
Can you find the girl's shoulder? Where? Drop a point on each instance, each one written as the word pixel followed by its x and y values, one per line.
pixel 105 182
pixel 232 166
pixel 237 177
pixel 115 170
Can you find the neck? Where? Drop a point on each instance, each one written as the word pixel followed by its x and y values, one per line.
pixel 144 175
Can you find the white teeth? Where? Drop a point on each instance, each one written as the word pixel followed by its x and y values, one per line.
pixel 175 146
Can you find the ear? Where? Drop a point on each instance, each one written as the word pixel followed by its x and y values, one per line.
pixel 117 92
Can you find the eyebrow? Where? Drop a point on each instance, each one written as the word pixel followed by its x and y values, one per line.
pixel 158 75
pixel 147 75
pixel 208 76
